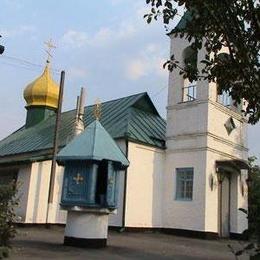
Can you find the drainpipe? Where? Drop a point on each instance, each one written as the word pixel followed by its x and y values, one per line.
pixel 125 190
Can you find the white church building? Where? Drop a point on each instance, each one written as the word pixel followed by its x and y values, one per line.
pixel 187 174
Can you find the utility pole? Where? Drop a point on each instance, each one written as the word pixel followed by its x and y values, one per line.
pixel 55 143
pixel 2 48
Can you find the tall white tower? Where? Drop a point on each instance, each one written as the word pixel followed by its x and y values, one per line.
pixel 206 155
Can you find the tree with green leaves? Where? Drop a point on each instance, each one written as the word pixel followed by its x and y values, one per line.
pixel 214 25
pixel 253 213
pixel 254 199
pixel 8 202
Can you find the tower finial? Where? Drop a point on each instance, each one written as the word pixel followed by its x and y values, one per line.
pixel 97 109
pixel 49 44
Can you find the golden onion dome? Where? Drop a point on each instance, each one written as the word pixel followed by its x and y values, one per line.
pixel 43 91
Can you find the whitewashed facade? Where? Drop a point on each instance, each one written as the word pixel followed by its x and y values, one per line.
pixel 179 188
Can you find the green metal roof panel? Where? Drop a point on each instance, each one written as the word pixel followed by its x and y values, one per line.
pixel 124 117
pixel 93 144
pixel 187 17
pixel 147 128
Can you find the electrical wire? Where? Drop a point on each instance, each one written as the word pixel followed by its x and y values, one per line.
pixel 28 65
pixel 24 64
pixel 159 92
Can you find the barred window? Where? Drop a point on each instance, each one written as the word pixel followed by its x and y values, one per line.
pixel 184 183
pixel 190 92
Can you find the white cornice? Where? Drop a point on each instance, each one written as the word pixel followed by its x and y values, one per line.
pixel 206 134
pixel 222 108
pixel 201 149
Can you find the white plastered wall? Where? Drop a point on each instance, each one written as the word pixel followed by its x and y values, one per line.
pixel 144 186
pixel 37 204
pixel 55 214
pixel 116 218
pixel 179 214
pixel 23 183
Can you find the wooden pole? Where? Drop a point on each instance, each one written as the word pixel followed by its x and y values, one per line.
pixel 55 141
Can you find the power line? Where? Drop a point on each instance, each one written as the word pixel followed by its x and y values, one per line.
pixel 21 66
pixel 159 91
pixel 25 64
pixel 18 66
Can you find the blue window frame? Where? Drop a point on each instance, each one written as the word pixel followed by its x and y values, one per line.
pixel 190 92
pixel 225 99
pixel 184 183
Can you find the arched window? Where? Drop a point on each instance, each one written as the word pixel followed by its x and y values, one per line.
pixel 190 57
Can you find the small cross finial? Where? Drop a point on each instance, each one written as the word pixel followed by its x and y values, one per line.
pixel 49 44
pixel 97 109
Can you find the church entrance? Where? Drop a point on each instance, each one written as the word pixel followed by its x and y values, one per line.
pixel 224 205
pixel 227 172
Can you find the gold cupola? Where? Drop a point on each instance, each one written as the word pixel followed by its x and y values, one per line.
pixel 43 91
pixel 41 98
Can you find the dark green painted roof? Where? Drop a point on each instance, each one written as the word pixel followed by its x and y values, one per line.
pixel 94 143
pixel 134 117
pixel 187 17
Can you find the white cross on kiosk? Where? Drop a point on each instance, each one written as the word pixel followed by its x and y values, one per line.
pixel 78 179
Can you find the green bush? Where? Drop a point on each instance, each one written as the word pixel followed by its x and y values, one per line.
pixel 253 212
pixel 254 200
pixel 8 202
pixel 4 252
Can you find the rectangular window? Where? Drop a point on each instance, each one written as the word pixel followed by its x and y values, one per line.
pixel 190 92
pixel 225 99
pixel 184 183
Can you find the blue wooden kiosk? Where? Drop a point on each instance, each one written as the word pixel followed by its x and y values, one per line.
pixel 92 163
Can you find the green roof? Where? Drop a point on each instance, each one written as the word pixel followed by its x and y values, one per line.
pixel 133 117
pixel 94 143
pixel 187 17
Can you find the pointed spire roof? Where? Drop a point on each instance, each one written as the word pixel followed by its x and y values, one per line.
pixel 94 143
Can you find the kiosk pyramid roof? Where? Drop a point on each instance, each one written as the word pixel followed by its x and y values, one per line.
pixel 94 143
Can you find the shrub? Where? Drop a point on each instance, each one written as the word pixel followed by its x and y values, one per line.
pixel 8 202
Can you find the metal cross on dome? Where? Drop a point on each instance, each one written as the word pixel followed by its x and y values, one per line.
pixel 50 46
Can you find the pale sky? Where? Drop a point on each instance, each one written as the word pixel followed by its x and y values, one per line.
pixel 105 46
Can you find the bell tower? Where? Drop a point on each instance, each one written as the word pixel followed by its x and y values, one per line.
pixel 202 134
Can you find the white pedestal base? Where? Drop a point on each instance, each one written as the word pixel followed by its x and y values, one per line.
pixel 86 229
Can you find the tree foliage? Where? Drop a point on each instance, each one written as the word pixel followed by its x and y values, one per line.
pixel 232 24
pixel 254 199
pixel 253 213
pixel 8 202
